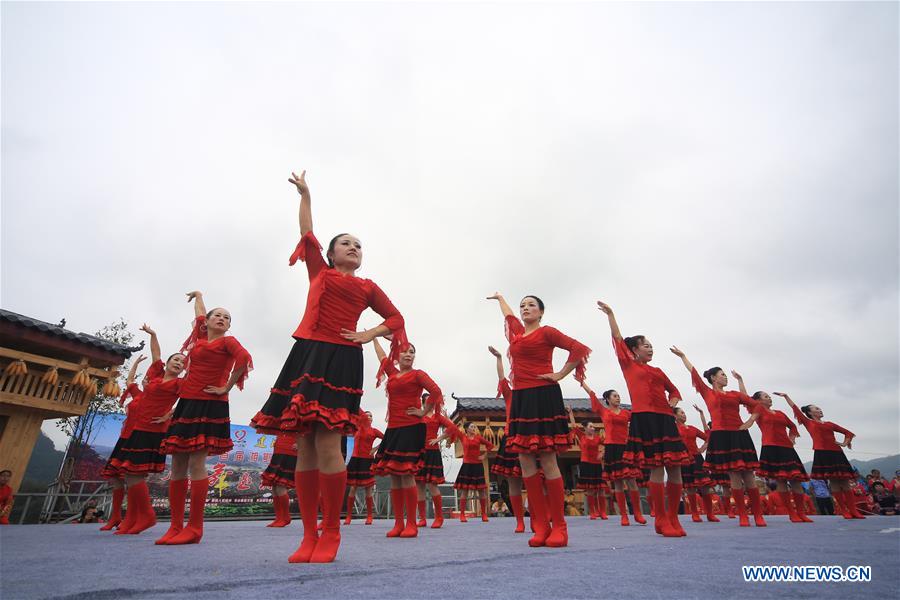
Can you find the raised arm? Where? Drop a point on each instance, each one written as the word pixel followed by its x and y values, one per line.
pixel 305 201
pixel 613 324
pixel 379 351
pixel 132 372
pixel 155 352
pixel 572 424
pixel 749 422
pixel 797 412
pixel 683 357
pixel 504 306
pixel 740 381
pixel 499 357
pixel 199 306
pixel 702 418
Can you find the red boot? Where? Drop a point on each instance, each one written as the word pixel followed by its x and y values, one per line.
pixel 306 483
pixel 131 513
pixel 519 512
pixel 623 508
pixel 331 487
pixel 601 507
pixel 177 496
pixel 756 507
pixel 792 512
pixel 800 508
pixel 738 496
pixel 438 503
pixel 115 517
pixel 850 502
pixel 592 507
pixel 398 500
pixel 193 533
pixel 422 522
pixel 708 507
pixel 484 510
pixel 636 507
pixel 412 504
pixel 556 493
pixel 538 509
pixel 462 510
pixel 139 496
pixel 351 500
pixel 370 509
pixel 282 511
pixel 673 499
pixel 662 523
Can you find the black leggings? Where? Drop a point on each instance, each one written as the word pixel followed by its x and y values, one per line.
pixel 825 506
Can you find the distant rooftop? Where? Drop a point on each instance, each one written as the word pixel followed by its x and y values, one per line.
pixel 7 316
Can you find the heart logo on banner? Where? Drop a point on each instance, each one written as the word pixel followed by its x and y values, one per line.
pixel 240 434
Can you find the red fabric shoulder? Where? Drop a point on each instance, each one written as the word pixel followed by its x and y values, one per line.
pixel 156 371
pixel 386 368
pixel 578 433
pixel 578 352
pixel 512 327
pixel 700 385
pixel 198 332
pixel 623 352
pixel 435 395
pixel 241 358
pixel 309 250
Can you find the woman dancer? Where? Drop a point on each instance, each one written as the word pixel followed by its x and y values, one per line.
pixel 590 467
pixel 653 439
pixel 431 475
pixel 359 469
pixel 402 451
pixel 730 449
pixel 318 391
pixel 615 427
pixel 200 425
pixel 829 461
pixel 279 476
pixel 694 477
pixel 506 464
pixel 777 458
pixel 471 474
pixel 537 428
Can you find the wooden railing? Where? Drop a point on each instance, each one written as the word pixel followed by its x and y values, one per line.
pixel 29 389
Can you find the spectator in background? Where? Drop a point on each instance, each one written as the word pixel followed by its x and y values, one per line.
pixel 895 484
pixel 873 477
pixel 822 496
pixel 499 508
pixel 6 496
pixel 885 501
pixel 90 514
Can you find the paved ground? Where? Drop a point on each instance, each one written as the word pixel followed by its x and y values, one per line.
pixel 473 560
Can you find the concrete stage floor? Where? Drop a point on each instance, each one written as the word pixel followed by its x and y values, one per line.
pixel 472 560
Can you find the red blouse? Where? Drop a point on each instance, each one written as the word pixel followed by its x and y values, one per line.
pixel 504 390
pixel 404 391
pixel 472 448
pixel 532 354
pixel 363 440
pixel 211 364
pixel 134 392
pixel 724 407
pixel 432 425
pixel 286 443
pixel 773 423
pixel 590 447
pixel 156 400
pixel 689 435
pixel 615 426
pixel 649 388
pixel 6 496
pixel 822 432
pixel 335 300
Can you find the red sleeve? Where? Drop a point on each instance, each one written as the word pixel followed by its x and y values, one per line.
pixel 504 390
pixel 578 352
pixel 791 427
pixel 198 331
pixel 800 416
pixel 670 387
pixel 132 391
pixel 445 422
pixel 453 432
pixel 747 401
pixel 512 327
pixel 435 394
pixel 385 369
pixel 701 434
pixel 241 358
pixel 839 429
pixel 377 433
pixel 309 250
pixel 381 304
pixel 699 385
pixel 157 369
pixel 486 443
pixel 597 406
pixel 623 353
pixel 578 433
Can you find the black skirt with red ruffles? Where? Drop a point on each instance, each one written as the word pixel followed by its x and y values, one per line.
pixel 138 454
pixel 831 464
pixel 780 462
pixel 723 479
pixel 401 451
pixel 506 463
pixel 470 477
pixel 320 382
pixel 590 477
pixel 694 475
pixel 730 451
pixel 538 421
pixel 359 472
pixel 432 470
pixel 654 441
pixel 199 425
pixel 614 468
pixel 280 471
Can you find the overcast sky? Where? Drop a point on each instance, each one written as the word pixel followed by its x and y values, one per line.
pixel 724 175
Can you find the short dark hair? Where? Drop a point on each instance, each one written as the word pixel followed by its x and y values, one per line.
pixel 540 302
pixel 807 410
pixel 607 394
pixel 757 395
pixel 634 341
pixel 710 373
pixel 331 247
pixel 5 471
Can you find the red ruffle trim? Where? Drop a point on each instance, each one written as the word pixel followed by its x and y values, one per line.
pixel 532 444
pixel 469 486
pixel 322 380
pixel 394 467
pixel 270 480
pixel 363 483
pixel 429 478
pixel 552 419
pixel 590 487
pixel 819 474
pixel 119 466
pixel 699 483
pixel 507 471
pixel 657 460
pixel 301 414
pixel 789 474
pixel 182 421
pixel 623 473
pixel 300 251
pixel 731 466
pixel 213 445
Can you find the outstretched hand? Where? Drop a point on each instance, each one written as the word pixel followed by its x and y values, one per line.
pixel 140 358
pixel 164 418
pixel 359 337
pixel 299 182
pixel 495 296
pixel 736 375
pixel 604 307
pixel 697 408
pixel 146 329
pixel 194 295
pixel 674 350
pixel 494 351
